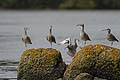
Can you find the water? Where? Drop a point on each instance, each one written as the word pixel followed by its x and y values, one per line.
pixel 38 22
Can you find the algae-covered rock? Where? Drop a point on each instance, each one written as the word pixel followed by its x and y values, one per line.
pixel 98 60
pixel 41 64
pixel 84 76
pixel 96 78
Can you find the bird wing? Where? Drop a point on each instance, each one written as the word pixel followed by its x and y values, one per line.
pixel 28 40
pixel 47 38
pixel 113 37
pixel 66 41
pixel 53 39
pixel 70 53
pixel 87 37
pixel 71 50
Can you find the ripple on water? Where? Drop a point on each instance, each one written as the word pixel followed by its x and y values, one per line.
pixel 8 70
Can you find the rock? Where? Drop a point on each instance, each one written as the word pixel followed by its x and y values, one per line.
pixel 84 76
pixel 41 64
pixel 60 79
pixel 96 78
pixel 98 60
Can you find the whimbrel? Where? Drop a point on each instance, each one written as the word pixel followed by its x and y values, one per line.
pixel 83 35
pixel 110 36
pixel 26 39
pixel 50 37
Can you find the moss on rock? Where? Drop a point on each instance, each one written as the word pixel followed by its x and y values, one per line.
pixel 99 60
pixel 84 76
pixel 41 64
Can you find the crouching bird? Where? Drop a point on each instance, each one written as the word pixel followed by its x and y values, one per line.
pixel 72 48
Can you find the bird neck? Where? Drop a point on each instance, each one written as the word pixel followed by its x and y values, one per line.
pixel 70 43
pixel 75 43
pixel 25 32
pixel 109 31
pixel 82 28
pixel 50 31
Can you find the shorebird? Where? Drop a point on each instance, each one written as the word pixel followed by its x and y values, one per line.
pixel 110 36
pixel 72 48
pixel 50 37
pixel 83 35
pixel 26 39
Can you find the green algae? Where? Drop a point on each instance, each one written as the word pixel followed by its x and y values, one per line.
pixel 98 60
pixel 41 64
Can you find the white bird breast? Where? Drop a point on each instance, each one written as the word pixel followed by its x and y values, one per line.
pixel 81 34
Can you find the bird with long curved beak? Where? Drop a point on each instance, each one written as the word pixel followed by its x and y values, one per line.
pixel 110 36
pixel 26 39
pixel 83 35
pixel 50 37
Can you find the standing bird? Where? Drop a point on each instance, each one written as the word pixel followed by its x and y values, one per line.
pixel 50 37
pixel 83 35
pixel 72 48
pixel 110 37
pixel 26 39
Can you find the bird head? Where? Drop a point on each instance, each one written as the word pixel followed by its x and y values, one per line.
pixel 50 29
pixel 76 40
pixel 82 25
pixel 25 28
pixel 107 29
pixel 66 41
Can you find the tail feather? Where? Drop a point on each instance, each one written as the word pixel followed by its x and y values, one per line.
pixel 117 40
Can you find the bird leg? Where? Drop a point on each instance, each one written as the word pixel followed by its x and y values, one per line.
pixel 111 43
pixel 26 46
pixel 51 44
pixel 84 43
